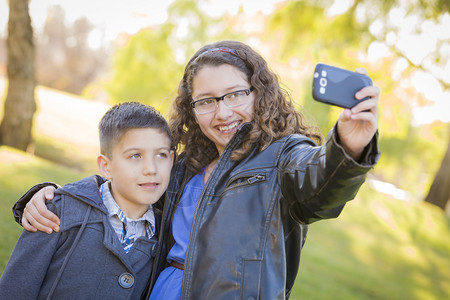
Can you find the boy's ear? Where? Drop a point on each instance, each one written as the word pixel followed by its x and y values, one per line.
pixel 103 164
pixel 172 155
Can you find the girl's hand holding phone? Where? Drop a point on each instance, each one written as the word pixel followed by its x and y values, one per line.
pixel 353 91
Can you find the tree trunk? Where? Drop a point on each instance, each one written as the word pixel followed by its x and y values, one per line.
pixel 20 106
pixel 439 193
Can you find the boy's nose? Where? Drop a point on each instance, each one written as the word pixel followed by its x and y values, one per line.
pixel 149 167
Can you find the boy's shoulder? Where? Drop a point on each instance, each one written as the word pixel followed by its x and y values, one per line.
pixel 75 200
pixel 88 187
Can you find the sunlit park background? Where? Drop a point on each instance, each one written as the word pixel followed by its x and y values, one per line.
pixel 391 242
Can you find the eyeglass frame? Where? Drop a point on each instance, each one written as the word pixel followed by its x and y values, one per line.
pixel 222 98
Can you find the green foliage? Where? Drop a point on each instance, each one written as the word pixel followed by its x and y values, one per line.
pixel 306 31
pixel 196 26
pixel 318 113
pixel 145 70
pixel 420 151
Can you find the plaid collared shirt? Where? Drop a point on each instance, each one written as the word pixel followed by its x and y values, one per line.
pixel 127 230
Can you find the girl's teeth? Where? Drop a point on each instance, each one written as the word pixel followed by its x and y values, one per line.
pixel 231 126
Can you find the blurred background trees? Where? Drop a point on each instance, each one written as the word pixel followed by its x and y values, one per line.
pixel 65 61
pixel 15 128
pixel 404 45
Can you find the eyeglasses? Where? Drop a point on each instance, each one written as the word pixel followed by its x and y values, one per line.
pixel 233 99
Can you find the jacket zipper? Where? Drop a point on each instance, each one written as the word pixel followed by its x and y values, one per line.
pixel 246 180
pixel 256 178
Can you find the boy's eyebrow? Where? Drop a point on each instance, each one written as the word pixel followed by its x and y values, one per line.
pixel 164 148
pixel 139 149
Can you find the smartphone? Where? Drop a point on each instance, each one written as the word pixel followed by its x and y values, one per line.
pixel 338 86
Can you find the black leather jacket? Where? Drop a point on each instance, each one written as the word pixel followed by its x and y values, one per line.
pixel 250 222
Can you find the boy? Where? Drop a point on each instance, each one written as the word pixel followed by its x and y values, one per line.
pixel 106 243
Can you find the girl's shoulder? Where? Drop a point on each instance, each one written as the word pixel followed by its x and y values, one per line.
pixel 292 140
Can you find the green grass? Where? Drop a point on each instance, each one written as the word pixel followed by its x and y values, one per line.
pixel 71 156
pixel 379 248
pixel 18 172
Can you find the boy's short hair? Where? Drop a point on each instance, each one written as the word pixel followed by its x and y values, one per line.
pixel 125 116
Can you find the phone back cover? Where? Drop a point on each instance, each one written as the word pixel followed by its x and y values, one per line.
pixel 339 87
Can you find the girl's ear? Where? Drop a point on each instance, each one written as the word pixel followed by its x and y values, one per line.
pixel 103 164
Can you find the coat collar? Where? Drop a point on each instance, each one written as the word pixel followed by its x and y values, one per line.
pixel 86 190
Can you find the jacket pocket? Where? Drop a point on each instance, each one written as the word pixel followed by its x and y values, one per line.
pixel 251 279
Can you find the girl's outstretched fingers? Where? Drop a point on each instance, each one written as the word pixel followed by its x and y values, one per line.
pixel 357 126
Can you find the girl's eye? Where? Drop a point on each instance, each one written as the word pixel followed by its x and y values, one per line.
pixel 237 94
pixel 163 155
pixel 206 102
pixel 135 156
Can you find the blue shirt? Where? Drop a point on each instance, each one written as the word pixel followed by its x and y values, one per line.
pixel 168 284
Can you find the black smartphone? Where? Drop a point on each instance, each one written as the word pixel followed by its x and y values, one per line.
pixel 338 86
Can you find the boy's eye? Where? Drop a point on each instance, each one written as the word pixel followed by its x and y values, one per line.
pixel 163 155
pixel 135 156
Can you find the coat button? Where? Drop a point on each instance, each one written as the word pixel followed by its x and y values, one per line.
pixel 126 280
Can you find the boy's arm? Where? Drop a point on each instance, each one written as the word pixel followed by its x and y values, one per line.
pixel 37 217
pixel 27 265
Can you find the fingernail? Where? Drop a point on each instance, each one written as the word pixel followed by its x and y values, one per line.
pixel 56 228
pixel 49 231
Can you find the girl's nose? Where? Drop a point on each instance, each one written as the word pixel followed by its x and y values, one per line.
pixel 223 112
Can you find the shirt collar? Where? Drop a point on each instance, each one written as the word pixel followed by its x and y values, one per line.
pixel 114 209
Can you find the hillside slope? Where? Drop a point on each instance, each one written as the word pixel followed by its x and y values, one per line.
pixel 67 118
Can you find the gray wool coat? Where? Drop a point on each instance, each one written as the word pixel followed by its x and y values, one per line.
pixel 84 260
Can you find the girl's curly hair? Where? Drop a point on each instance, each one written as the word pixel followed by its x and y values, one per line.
pixel 274 114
